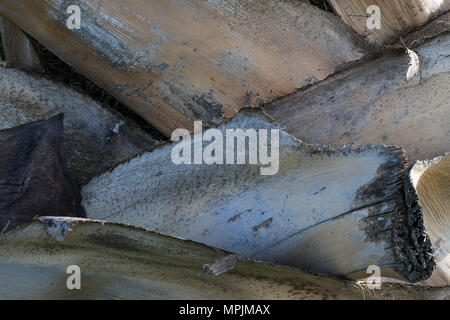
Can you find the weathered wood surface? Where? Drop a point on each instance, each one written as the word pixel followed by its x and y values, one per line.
pixel 397 16
pixel 92 145
pixel 173 61
pixel 374 104
pixel 331 211
pixel 432 182
pixel 33 175
pixel 122 262
pixel 436 27
pixel 19 51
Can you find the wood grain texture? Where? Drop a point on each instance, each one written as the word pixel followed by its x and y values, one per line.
pixel 330 211
pixel 173 62
pixel 18 49
pixel 91 144
pixel 397 16
pixel 374 104
pixel 432 182
pixel 434 28
pixel 122 262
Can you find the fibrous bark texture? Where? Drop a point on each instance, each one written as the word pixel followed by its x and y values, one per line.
pixel 331 211
pixel 122 262
pixel 33 176
pixel 173 62
pixel 374 104
pixel 96 138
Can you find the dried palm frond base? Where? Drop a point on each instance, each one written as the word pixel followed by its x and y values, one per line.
pixel 373 103
pixel 333 211
pixel 123 262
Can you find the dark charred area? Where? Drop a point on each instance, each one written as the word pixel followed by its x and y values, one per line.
pixel 34 180
pixel 416 233
pixel 397 219
pixel 387 182
pixel 379 224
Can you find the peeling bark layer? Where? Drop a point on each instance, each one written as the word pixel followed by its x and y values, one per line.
pixel 173 62
pixel 374 104
pixel 397 17
pixel 96 139
pixel 121 262
pixel 33 176
pixel 330 211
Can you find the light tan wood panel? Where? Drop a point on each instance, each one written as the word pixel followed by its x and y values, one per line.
pixel 397 17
